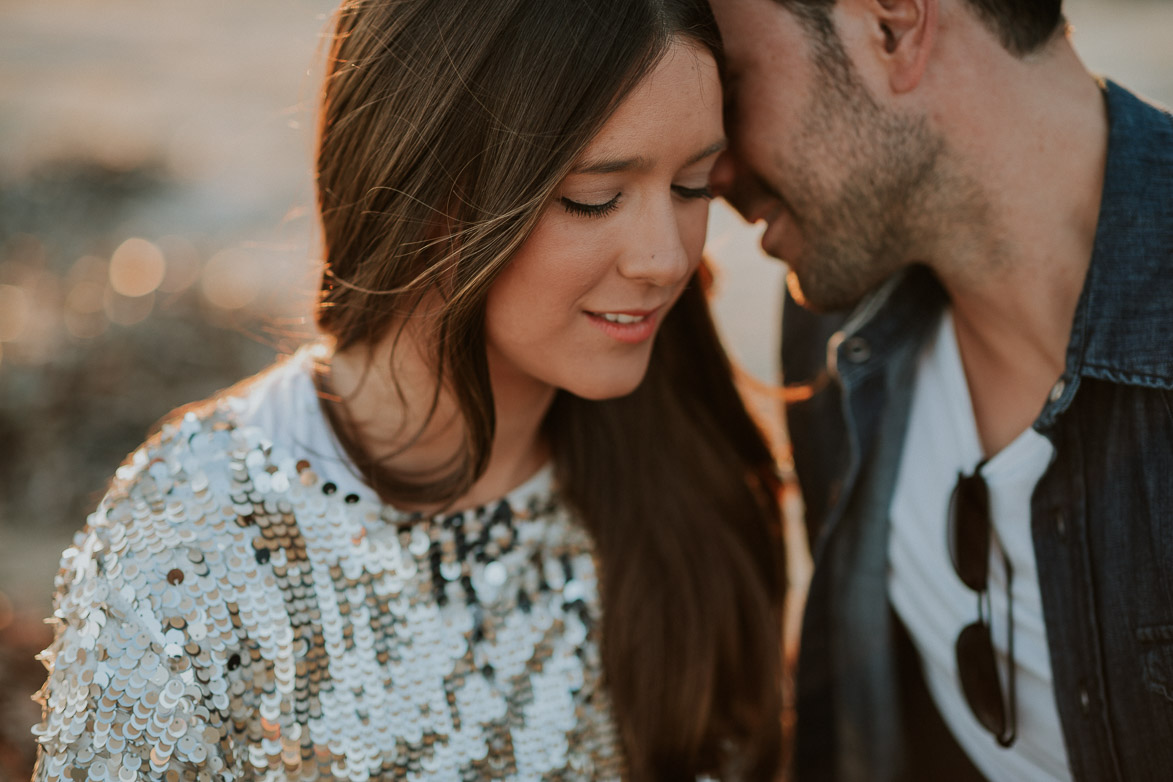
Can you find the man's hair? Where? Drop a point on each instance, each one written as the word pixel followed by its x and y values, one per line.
pixel 1021 25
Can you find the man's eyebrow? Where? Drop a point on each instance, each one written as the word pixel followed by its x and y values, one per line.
pixel 613 165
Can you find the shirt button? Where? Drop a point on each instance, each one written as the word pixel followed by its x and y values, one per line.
pixel 1061 525
pixel 1085 700
pixel 857 350
pixel 1057 391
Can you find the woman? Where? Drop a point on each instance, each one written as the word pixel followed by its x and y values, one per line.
pixel 485 530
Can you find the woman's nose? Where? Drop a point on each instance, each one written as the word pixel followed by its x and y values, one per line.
pixel 659 249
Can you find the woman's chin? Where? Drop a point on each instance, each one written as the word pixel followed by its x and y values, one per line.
pixel 602 389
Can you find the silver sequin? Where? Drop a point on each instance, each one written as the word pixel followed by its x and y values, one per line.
pixel 225 615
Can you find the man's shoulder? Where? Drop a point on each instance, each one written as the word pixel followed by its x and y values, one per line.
pixel 1128 294
pixel 1140 149
pixel 1133 113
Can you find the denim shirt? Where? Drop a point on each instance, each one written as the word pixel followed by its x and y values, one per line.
pixel 1101 515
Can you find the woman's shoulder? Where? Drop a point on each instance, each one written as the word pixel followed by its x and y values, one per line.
pixel 209 434
pixel 151 592
pixel 176 489
pixel 185 460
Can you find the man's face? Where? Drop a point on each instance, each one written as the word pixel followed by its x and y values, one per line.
pixel 840 180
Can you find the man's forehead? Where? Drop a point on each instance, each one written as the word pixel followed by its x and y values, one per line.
pixel 760 35
pixel 748 24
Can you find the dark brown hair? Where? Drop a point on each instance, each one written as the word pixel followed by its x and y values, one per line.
pixel 446 128
pixel 1021 25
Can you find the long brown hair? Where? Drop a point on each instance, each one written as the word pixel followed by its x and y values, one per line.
pixel 446 127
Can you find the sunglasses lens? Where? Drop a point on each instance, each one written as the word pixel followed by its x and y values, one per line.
pixel 969 531
pixel 978 671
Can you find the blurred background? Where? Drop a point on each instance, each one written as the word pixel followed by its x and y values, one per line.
pixel 157 243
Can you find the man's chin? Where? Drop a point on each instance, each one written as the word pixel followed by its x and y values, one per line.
pixel 817 298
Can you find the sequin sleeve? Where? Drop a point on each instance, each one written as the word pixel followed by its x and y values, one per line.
pixel 125 698
pixel 229 614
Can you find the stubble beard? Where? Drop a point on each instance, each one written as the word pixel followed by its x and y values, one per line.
pixel 860 232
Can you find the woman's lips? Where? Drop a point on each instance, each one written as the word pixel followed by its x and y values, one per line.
pixel 628 326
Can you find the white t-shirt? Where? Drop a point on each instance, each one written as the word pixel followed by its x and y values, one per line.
pixel 930 598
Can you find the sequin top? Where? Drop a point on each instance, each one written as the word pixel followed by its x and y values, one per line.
pixel 240 606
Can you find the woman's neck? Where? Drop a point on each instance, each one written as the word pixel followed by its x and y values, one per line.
pixel 410 429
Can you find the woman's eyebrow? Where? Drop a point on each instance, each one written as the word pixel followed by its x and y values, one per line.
pixel 712 149
pixel 612 165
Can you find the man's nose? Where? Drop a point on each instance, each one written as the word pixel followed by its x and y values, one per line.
pixel 724 174
pixel 733 180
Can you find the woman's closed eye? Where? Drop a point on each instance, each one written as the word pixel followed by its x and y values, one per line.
pixel 590 210
pixel 584 209
pixel 705 192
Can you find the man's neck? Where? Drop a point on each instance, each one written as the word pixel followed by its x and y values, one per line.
pixel 1035 151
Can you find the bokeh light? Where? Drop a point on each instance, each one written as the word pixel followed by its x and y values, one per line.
pixel 85 298
pixel 183 264
pixel 14 312
pixel 137 268
pixel 30 314
pixel 85 315
pixel 231 279
pixel 90 268
pixel 6 612
pixel 127 310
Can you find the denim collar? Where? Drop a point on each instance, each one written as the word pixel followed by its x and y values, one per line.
pixel 1124 320
pixel 1123 327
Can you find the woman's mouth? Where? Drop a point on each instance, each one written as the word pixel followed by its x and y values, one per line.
pixel 620 317
pixel 629 326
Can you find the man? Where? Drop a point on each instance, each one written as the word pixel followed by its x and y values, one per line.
pixel 987 454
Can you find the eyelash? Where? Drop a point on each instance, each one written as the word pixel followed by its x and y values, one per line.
pixel 591 210
pixel 693 192
pixel 602 210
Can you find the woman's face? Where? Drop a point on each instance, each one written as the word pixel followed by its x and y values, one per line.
pixel 578 306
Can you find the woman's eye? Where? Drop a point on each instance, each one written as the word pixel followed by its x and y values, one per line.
pixel 693 192
pixel 590 210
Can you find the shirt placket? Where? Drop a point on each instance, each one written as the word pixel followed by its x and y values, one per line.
pixel 1066 582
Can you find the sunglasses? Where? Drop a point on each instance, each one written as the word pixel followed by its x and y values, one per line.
pixel 970 532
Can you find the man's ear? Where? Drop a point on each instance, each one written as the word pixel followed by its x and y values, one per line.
pixel 903 33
